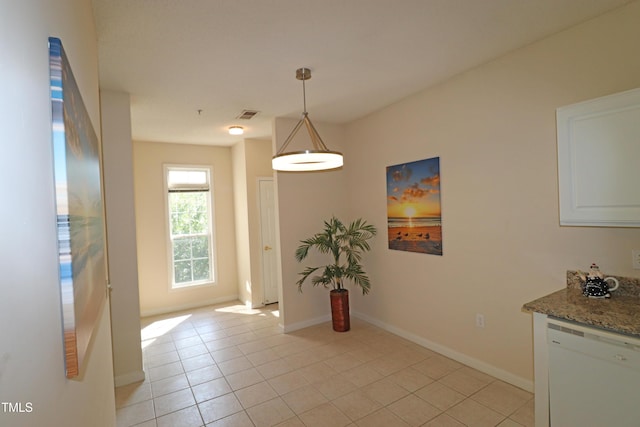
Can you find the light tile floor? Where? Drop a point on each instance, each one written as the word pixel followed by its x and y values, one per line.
pixel 231 366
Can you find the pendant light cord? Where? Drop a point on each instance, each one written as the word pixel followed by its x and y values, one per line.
pixel 304 96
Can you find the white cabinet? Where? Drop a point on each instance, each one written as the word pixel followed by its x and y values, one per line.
pixel 599 161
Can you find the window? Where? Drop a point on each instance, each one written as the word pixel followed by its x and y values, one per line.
pixel 190 225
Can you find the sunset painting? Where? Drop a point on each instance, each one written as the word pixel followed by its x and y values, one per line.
pixel 79 208
pixel 414 217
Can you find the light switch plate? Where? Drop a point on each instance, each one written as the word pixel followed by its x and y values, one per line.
pixel 635 254
pixel 480 320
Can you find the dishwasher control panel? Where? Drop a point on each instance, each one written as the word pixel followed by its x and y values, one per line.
pixel 603 345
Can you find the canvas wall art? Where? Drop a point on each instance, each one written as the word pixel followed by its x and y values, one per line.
pixel 414 215
pixel 79 209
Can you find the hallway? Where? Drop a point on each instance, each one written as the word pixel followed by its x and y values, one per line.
pixel 227 365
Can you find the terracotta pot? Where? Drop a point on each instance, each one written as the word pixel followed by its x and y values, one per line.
pixel 340 310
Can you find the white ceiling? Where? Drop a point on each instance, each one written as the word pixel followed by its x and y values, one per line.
pixel 224 56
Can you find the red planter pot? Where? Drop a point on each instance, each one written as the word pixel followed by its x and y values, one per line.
pixel 340 310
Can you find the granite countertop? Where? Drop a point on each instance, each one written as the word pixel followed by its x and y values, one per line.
pixel 620 313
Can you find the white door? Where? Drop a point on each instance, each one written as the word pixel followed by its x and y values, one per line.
pixel 268 235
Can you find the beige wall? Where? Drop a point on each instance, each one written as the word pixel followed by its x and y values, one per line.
pixel 251 160
pixel 241 212
pixel 153 270
pixel 304 201
pixel 495 133
pixel 121 236
pixel 31 353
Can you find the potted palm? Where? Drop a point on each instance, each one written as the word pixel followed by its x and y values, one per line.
pixel 345 244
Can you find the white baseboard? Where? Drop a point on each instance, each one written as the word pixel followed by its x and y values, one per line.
pixel 129 378
pixel 305 324
pixel 174 308
pixel 481 366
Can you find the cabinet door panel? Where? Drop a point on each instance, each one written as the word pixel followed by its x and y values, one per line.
pixel 598 161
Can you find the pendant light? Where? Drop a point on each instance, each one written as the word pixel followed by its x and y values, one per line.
pixel 316 159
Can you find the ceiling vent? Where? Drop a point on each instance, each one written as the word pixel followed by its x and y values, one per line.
pixel 247 114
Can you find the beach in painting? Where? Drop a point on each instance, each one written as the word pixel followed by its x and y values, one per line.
pixel 419 235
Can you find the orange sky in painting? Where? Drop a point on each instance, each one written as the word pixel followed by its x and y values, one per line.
pixel 413 189
pixel 413 209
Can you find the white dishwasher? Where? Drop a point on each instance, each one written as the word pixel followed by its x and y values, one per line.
pixel 594 377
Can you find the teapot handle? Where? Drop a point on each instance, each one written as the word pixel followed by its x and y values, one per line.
pixel 614 281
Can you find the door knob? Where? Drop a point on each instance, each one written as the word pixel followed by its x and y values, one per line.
pixel 267 248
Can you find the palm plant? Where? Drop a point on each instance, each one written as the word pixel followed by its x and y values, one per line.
pixel 345 244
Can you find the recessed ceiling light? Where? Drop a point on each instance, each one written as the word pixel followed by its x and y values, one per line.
pixel 236 130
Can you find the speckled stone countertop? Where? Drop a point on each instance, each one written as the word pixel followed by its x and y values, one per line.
pixel 620 313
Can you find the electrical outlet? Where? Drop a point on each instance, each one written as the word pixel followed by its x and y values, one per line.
pixel 635 255
pixel 479 320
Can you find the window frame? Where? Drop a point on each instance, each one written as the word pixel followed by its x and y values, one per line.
pixel 212 232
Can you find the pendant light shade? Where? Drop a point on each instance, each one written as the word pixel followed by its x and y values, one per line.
pixel 315 159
